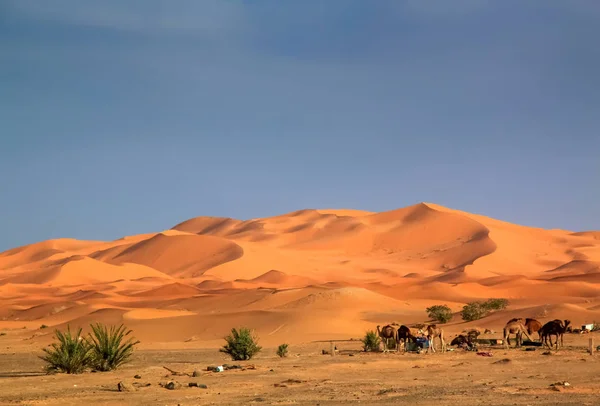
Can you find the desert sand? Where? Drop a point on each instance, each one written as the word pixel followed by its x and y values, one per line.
pixel 300 277
pixel 303 278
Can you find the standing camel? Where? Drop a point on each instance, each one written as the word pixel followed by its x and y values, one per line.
pixel 516 327
pixel 533 326
pixel 554 328
pixel 404 335
pixel 432 331
pixel 386 333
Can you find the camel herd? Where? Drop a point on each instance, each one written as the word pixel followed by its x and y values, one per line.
pixel 403 335
pixel 517 326
pixel 527 327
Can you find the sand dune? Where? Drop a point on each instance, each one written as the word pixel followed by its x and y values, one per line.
pixel 309 274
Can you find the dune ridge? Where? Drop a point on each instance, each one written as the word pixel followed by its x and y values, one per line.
pixel 296 276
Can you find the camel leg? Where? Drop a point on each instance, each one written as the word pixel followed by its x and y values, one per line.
pixel 443 342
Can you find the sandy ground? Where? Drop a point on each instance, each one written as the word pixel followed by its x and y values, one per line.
pixel 306 377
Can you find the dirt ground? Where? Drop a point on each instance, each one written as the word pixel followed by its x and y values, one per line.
pixel 307 377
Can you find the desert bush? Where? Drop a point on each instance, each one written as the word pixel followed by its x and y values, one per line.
pixel 109 349
pixel 241 344
pixel 70 354
pixel 496 304
pixel 596 326
pixel 282 350
pixel 371 341
pixel 43 326
pixel 439 313
pixel 477 310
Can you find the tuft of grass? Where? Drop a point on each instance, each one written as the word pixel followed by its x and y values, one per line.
pixel 371 341
pixel 70 354
pixel 241 344
pixel 43 326
pixel 282 350
pixel 109 348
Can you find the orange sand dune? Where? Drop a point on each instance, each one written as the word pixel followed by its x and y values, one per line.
pixel 307 275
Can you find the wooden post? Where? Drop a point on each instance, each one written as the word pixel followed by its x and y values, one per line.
pixel 592 346
pixel 332 348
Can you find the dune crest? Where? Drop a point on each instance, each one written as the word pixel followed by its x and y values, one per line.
pixel 297 275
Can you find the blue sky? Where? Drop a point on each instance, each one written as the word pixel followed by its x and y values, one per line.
pixel 123 117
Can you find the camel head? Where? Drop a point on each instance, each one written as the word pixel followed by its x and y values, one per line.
pixel 379 330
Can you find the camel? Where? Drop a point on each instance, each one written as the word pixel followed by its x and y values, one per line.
pixel 554 328
pixel 386 333
pixel 516 327
pixel 533 326
pixel 432 331
pixel 404 335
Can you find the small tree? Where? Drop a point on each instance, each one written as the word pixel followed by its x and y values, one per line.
pixel 70 354
pixel 109 350
pixel 496 304
pixel 473 311
pixel 282 350
pixel 439 313
pixel 477 310
pixel 241 344
pixel 371 341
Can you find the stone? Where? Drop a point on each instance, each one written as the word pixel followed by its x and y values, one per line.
pixel 172 385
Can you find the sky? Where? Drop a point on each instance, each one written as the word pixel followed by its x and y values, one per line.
pixel 122 117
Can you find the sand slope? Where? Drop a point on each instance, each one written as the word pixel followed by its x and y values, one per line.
pixel 305 275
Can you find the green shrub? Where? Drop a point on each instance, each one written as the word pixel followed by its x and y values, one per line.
pixel 477 310
pixel 371 341
pixel 70 354
pixel 109 349
pixel 241 345
pixel 439 313
pixel 496 304
pixel 43 326
pixel 282 350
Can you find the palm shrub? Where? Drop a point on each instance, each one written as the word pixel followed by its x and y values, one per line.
pixel 70 354
pixel 371 341
pixel 282 350
pixel 241 344
pixel 109 348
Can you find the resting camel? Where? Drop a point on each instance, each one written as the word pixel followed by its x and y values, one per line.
pixel 386 333
pixel 516 327
pixel 404 335
pixel 432 331
pixel 533 326
pixel 554 328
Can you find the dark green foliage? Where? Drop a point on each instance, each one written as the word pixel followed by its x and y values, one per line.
pixel 496 304
pixel 109 349
pixel 282 350
pixel 241 345
pixel 371 341
pixel 477 310
pixel 439 313
pixel 70 354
